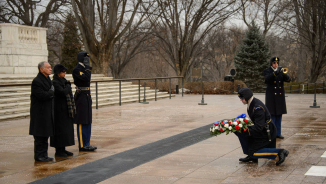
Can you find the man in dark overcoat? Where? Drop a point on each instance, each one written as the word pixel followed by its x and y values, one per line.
pixel 82 79
pixel 259 140
pixel 64 112
pixel 41 112
pixel 275 93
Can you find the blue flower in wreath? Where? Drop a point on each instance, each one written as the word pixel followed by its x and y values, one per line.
pixel 216 123
pixel 242 116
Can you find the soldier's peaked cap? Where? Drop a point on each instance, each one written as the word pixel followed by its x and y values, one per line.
pixel 245 93
pixel 81 55
pixel 275 59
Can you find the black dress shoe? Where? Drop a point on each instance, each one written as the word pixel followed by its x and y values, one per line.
pixel 69 153
pixel 87 148
pixel 44 159
pixel 248 159
pixel 60 154
pixel 280 137
pixel 281 156
pixel 49 158
pixel 93 147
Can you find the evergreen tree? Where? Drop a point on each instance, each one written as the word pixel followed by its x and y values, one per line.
pixel 71 44
pixel 251 58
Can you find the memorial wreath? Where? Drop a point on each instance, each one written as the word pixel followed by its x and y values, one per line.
pixel 238 124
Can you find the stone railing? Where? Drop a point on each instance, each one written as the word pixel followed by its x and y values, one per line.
pixel 21 48
pixel 27 35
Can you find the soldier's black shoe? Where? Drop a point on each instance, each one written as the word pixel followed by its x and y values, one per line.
pixel 281 156
pixel 93 147
pixel 87 148
pixel 69 153
pixel 280 137
pixel 248 159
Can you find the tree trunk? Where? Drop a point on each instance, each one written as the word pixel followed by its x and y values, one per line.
pixel 103 66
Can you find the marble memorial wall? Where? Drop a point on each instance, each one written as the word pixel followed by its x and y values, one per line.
pixel 21 48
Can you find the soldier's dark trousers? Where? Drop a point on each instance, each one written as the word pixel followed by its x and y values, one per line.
pixel 40 147
pixel 277 119
pixel 269 153
pixel 84 134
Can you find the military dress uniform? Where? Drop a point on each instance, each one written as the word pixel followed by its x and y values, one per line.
pixel 275 94
pixel 259 141
pixel 82 78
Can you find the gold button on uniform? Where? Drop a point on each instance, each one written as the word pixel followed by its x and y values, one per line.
pixel 275 87
pixel 280 93
pixel 279 81
pixel 274 81
pixel 275 93
pixel 280 87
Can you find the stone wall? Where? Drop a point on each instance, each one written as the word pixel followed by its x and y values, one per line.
pixel 21 48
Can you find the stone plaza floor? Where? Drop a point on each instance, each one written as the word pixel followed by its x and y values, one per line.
pixel 166 142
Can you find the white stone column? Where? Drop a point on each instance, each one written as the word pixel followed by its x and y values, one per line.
pixel 21 48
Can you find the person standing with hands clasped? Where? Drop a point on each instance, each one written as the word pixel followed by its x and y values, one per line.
pixel 64 112
pixel 82 79
pixel 41 112
pixel 275 93
pixel 259 141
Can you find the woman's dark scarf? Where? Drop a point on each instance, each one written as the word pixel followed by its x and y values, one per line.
pixel 70 100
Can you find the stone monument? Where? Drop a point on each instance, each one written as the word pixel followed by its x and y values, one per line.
pixel 21 48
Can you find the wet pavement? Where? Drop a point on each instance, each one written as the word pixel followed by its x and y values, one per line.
pixel 125 130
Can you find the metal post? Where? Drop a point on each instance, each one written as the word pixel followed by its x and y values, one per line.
pixel 96 95
pixel 120 92
pixel 139 90
pixel 182 86
pixel 155 91
pixel 290 88
pixel 323 86
pixel 170 87
pixel 238 87
pixel 144 100
pixel 307 88
pixel 202 85
pixel 315 103
pixel 299 89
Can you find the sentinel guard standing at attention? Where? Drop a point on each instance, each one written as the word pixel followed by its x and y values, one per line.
pixel 83 100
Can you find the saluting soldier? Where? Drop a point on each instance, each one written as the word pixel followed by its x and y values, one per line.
pixel 275 93
pixel 259 141
pixel 82 79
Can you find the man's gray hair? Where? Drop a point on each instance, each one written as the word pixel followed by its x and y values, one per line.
pixel 41 65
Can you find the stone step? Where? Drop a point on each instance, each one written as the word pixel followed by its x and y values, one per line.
pixel 4 81
pixel 10 100
pixel 101 102
pixel 13 116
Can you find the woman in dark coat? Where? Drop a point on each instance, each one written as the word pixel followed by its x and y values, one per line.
pixel 64 110
pixel 275 93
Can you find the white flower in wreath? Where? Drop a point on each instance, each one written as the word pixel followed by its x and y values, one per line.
pixel 226 125
pixel 240 125
pixel 230 128
pixel 241 120
pixel 234 123
pixel 247 118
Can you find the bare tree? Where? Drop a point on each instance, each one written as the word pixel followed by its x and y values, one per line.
pixel 103 23
pixel 183 25
pixel 220 48
pixel 29 12
pixel 135 41
pixel 264 12
pixel 310 22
